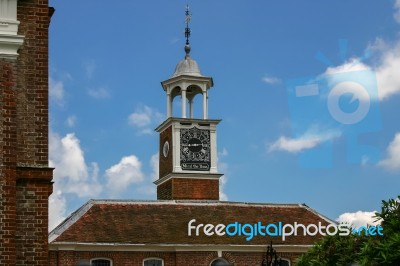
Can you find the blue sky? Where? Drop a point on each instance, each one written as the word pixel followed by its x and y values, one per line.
pixel 107 60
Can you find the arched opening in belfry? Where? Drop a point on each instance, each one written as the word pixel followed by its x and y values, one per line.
pixel 195 105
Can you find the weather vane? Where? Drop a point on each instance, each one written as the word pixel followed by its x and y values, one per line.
pixel 187 20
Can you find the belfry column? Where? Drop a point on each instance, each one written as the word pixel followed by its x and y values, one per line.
pixel 184 103
pixel 169 105
pixel 205 107
pixel 191 108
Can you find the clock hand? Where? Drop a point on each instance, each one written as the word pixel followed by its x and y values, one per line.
pixel 194 145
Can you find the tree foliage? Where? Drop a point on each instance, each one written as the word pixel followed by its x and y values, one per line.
pixel 361 250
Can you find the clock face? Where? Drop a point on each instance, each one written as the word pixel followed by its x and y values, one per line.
pixel 195 149
pixel 165 149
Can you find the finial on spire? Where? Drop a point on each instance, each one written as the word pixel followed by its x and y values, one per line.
pixel 187 20
pixel 187 30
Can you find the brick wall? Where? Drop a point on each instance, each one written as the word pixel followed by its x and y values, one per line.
pixel 8 140
pixel 192 258
pixel 32 89
pixel 188 189
pixel 33 190
pixel 165 163
pixel 25 179
pixel 164 191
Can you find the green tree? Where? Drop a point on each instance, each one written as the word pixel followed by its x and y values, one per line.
pixel 361 249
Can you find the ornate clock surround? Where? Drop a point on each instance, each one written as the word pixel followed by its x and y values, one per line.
pixel 178 132
pixel 195 149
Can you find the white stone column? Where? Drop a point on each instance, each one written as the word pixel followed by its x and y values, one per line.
pixel 191 108
pixel 176 140
pixel 184 103
pixel 207 105
pixel 169 105
pixel 204 104
pixel 213 144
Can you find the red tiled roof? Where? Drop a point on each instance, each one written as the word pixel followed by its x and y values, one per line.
pixel 166 222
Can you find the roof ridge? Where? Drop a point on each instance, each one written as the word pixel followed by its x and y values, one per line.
pixel 192 202
pixel 318 214
pixel 70 220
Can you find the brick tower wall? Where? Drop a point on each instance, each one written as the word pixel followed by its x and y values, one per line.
pixel 25 178
pixel 8 162
pixel 188 189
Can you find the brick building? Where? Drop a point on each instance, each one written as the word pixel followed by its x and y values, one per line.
pixel 185 225
pixel 132 232
pixel 25 178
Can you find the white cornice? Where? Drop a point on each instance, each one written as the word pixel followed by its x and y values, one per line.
pixel 175 120
pixel 73 246
pixel 9 45
pixel 196 175
pixel 10 41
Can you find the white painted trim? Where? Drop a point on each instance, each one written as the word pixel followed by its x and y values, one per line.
pixel 154 258
pixel 8 17
pixel 172 120
pixel 10 41
pixel 9 45
pixel 196 175
pixel 174 247
pixel 195 80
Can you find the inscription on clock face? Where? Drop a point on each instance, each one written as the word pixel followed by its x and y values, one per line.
pixel 195 149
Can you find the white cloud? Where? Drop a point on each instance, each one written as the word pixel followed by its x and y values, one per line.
pixel 386 66
pixel 223 153
pixel 67 155
pixel 71 121
pixel 143 118
pixel 294 145
pixel 311 139
pixel 90 68
pixel 357 219
pixel 56 91
pixel 271 80
pixel 365 92
pixel 351 65
pixel 397 11
pixel 57 209
pixel 71 173
pixel 222 168
pixel 387 72
pixel 119 176
pixel 222 182
pixel 147 187
pixel 392 160
pixel 154 163
pixel 99 93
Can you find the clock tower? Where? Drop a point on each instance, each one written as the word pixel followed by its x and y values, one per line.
pixel 188 145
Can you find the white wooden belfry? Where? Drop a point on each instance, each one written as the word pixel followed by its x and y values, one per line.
pixel 187 82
